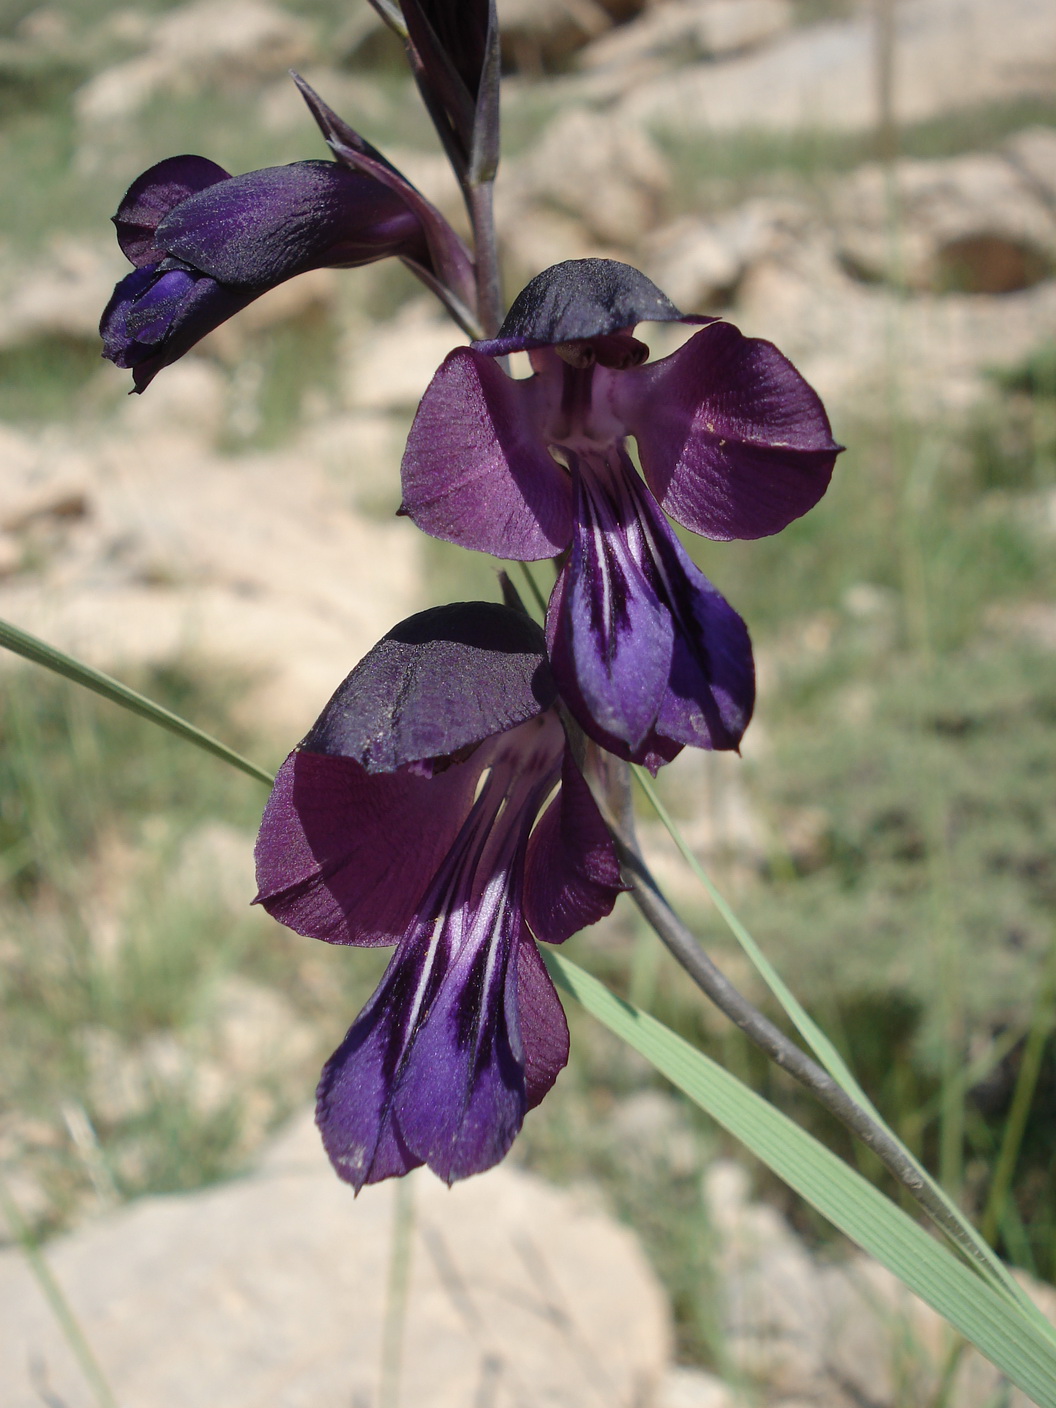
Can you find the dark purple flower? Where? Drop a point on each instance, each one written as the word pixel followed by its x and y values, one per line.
pixel 205 243
pixel 410 815
pixel 732 442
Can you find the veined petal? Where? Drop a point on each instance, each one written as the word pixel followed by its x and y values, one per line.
pixel 347 857
pixel 433 1070
pixel 572 876
pixel 266 226
pixel 439 682
pixel 619 636
pixel 544 1030
pixel 150 198
pixel 711 689
pixel 733 442
pixel 460 1098
pixel 476 470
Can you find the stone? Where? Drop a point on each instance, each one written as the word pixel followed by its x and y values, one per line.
pixel 389 367
pixel 686 30
pixel 822 76
pixel 699 262
pixel 976 223
pixel 541 36
pixel 60 295
pixel 607 174
pixel 189 49
pixel 272 1289
pixel 259 564
pixel 840 1332
pixel 683 1387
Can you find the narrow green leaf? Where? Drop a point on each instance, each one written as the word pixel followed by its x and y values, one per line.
pixel 1022 1347
pixel 823 1048
pixel 31 648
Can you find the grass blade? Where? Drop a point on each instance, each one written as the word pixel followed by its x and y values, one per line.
pixel 1023 1346
pixel 32 648
pixel 824 1049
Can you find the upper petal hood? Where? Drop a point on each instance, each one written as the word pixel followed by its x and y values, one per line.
pixel 578 299
pixel 440 681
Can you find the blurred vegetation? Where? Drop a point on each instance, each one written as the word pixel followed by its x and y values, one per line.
pixel 907 782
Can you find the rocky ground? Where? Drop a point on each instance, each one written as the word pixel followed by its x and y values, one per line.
pixel 238 520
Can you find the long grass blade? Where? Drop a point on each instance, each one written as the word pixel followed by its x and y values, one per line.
pixel 823 1048
pixel 32 648
pixel 60 1306
pixel 1022 1346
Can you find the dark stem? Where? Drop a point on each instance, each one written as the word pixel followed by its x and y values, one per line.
pixel 479 200
pixel 687 951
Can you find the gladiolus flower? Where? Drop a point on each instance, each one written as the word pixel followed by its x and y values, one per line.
pixel 732 443
pixel 410 815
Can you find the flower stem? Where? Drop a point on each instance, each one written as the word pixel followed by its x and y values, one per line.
pixel 684 947
pixel 480 202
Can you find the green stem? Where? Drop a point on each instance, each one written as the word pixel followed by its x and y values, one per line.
pixel 60 1306
pixel 32 648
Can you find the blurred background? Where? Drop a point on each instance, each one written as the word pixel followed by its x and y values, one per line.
pixel 870 186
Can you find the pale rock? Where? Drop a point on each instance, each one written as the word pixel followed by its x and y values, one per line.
pixel 282 110
pixel 839 1333
pixel 773 1307
pixel 256 563
pixel 536 236
pixel 686 30
pixel 948 53
pixel 253 1031
pixel 974 220
pixel 650 1129
pixel 541 35
pixel 1033 152
pixel 606 173
pixel 390 367
pixel 10 554
pixel 189 49
pixel 699 261
pixel 683 1387
pixel 187 401
pixel 852 340
pixel 277 1286
pixel 61 295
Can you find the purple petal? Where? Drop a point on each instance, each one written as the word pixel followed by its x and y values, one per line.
pixel 733 442
pixel 653 751
pixel 476 470
pixel 346 857
pixel 461 1100
pixel 353 1101
pixel 572 875
pixel 150 198
pixel 439 682
pixel 576 300
pixel 264 227
pixel 156 314
pixel 711 691
pixel 433 1069
pixel 618 636
pixel 544 1030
